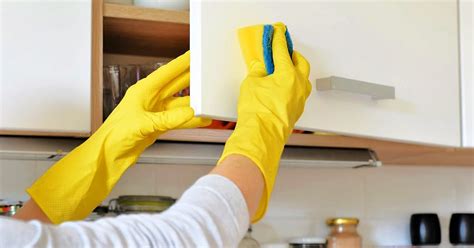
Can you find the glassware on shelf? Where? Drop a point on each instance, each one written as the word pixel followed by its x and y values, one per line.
pixel 129 75
pixel 117 80
pixel 111 89
pixel 147 69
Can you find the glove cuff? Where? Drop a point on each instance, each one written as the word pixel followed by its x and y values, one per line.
pixel 262 140
pixel 79 182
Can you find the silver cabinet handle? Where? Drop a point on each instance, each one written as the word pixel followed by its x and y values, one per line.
pixel 376 91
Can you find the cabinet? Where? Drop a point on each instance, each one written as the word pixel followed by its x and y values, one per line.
pixel 46 69
pixel 411 46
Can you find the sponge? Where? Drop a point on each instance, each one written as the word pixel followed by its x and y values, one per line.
pixel 256 44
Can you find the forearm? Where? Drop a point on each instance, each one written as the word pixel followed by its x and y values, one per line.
pixel 215 213
pixel 246 176
pixel 31 211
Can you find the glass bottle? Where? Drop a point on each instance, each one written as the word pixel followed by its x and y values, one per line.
pixel 344 233
pixel 248 241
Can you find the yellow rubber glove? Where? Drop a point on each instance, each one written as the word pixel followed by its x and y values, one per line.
pixel 76 184
pixel 269 106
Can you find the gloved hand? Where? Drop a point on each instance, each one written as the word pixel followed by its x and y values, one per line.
pixel 269 106
pixel 76 184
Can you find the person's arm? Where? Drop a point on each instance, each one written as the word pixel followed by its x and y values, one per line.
pixel 246 175
pixel 214 212
pixel 239 169
pixel 76 184
pixel 269 105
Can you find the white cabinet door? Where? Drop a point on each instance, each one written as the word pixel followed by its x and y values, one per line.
pixel 412 46
pixel 45 66
pixel 466 9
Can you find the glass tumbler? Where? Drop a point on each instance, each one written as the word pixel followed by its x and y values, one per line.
pixel 111 89
pixel 129 75
pixel 147 69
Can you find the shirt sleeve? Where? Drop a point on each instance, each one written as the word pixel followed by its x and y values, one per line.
pixel 211 213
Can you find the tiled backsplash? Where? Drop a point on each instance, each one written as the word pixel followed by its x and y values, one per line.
pixel 383 198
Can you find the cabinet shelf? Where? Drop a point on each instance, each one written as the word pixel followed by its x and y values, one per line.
pixel 390 153
pixel 143 31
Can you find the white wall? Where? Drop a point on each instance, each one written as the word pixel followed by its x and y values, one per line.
pixel 382 198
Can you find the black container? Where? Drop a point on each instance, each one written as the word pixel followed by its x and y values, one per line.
pixel 425 229
pixel 461 229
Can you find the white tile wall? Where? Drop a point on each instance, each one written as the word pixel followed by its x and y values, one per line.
pixel 303 198
pixel 16 176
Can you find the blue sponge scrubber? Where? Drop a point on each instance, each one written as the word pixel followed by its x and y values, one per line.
pixel 267 47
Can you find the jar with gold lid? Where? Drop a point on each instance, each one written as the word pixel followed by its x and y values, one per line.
pixel 343 233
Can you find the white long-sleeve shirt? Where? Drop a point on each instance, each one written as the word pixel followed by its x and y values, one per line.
pixel 211 213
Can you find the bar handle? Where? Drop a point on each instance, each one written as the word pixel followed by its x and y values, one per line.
pixel 376 91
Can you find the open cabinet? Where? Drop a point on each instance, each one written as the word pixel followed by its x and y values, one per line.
pixel 380 69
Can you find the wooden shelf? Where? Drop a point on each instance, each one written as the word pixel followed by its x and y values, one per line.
pixel 143 31
pixel 390 153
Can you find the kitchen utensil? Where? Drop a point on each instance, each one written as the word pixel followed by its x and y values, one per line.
pixel 425 229
pixel 343 233
pixel 308 242
pixel 99 212
pixel 248 241
pixel 461 229
pixel 140 204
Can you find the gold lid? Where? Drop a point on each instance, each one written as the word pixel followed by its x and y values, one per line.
pixel 342 221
